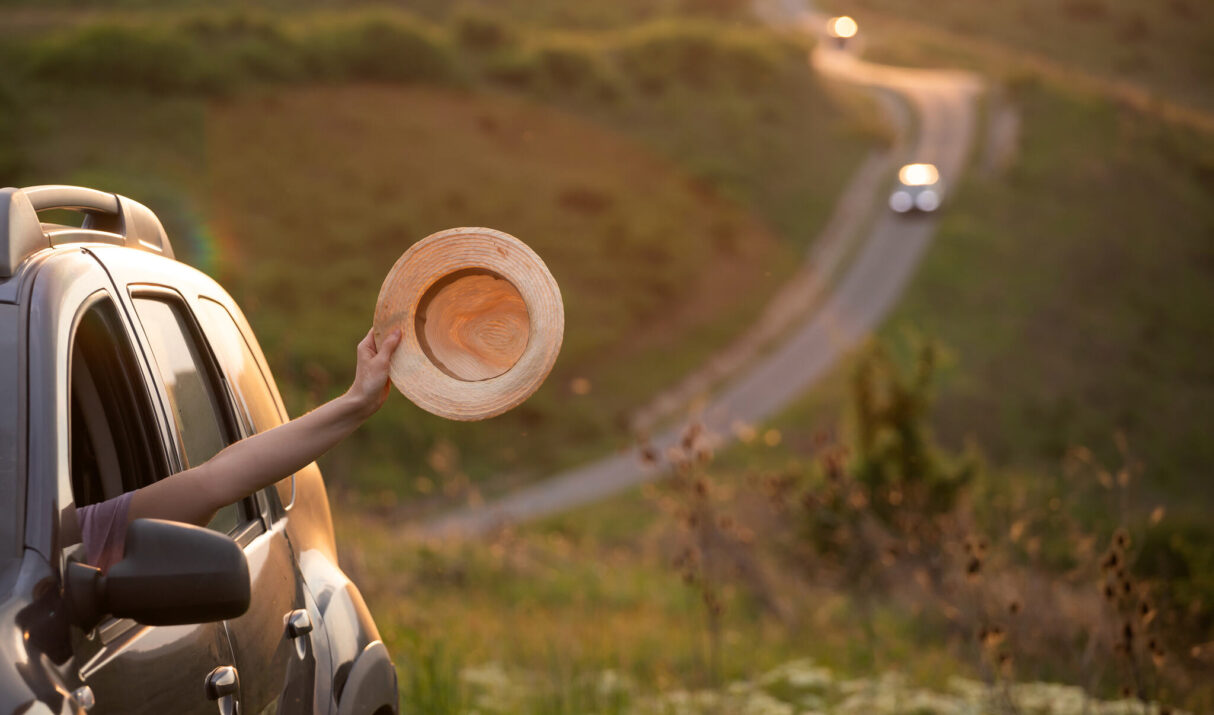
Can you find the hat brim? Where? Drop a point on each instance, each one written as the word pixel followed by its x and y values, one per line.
pixel 429 261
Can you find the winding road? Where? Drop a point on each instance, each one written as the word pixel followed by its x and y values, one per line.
pixel 863 290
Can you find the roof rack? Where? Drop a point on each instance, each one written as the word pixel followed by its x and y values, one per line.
pixel 108 218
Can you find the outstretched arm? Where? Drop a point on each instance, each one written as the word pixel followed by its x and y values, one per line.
pixel 193 496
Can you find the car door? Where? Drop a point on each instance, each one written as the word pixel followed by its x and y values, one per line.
pixel 95 431
pixel 272 643
pixel 257 410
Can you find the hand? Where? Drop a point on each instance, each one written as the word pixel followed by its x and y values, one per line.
pixel 370 387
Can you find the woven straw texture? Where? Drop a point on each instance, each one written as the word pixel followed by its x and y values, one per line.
pixel 410 286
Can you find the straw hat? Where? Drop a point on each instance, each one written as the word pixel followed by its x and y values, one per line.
pixel 481 321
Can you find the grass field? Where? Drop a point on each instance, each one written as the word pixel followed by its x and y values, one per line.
pixel 1075 292
pixel 557 604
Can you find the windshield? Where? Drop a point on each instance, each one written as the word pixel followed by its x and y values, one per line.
pixel 12 486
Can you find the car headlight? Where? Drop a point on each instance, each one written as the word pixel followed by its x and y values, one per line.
pixel 927 200
pixel 901 202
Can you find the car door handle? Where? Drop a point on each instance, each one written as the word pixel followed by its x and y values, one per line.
pixel 222 682
pixel 298 623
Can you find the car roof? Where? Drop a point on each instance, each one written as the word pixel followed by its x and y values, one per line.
pixel 108 218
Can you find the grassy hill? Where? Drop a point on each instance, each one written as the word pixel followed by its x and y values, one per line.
pixel 629 159
pixel 1072 294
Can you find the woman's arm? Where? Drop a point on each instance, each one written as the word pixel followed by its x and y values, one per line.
pixel 193 496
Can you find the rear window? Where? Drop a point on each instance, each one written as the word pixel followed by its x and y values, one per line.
pixel 193 391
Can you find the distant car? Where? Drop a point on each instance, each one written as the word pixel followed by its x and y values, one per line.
pixel 918 189
pixel 841 29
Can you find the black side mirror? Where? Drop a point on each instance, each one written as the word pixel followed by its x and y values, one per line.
pixel 171 574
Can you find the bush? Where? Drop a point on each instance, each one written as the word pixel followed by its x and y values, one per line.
pixel 244 45
pixel 518 69
pixel 1179 554
pixel 571 66
pixel 702 56
pixel 150 58
pixel 382 47
pixel 482 33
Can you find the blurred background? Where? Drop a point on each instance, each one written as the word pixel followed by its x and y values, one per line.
pixel 992 492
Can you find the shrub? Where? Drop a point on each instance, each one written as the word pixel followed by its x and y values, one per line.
pixel 701 55
pixel 518 69
pixel 895 451
pixel 1179 554
pixel 145 57
pixel 570 65
pixel 382 47
pixel 482 32
pixel 245 45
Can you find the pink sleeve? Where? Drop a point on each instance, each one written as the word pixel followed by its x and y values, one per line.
pixel 103 530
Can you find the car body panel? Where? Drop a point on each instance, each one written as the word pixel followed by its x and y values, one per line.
pixel 63 284
pixel 119 655
pixel 130 667
pixel 274 667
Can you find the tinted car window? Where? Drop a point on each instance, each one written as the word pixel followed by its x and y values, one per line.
pixel 113 447
pixel 192 394
pixel 250 385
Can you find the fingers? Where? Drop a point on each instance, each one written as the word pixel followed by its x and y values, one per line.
pixel 367 344
pixel 385 351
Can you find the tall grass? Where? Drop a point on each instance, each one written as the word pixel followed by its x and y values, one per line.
pixel 430 682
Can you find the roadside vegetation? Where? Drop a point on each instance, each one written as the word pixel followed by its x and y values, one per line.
pixel 861 568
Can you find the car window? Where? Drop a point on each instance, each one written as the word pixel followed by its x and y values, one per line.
pixel 250 385
pixel 114 448
pixel 191 389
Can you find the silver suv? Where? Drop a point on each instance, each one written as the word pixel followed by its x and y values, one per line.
pixel 120 366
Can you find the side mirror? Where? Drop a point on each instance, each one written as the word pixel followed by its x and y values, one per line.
pixel 171 574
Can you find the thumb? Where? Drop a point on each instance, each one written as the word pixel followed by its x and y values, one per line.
pixel 389 346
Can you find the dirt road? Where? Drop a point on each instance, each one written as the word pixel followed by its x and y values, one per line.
pixel 943 106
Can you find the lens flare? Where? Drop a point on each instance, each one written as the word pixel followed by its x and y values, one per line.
pixel 843 27
pixel 918 175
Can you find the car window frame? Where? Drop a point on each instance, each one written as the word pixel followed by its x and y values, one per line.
pixel 254 510
pixel 276 509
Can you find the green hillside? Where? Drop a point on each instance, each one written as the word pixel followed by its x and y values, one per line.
pixel 297 156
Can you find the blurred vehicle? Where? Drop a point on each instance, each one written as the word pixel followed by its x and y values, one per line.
pixel 841 29
pixel 119 366
pixel 918 189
